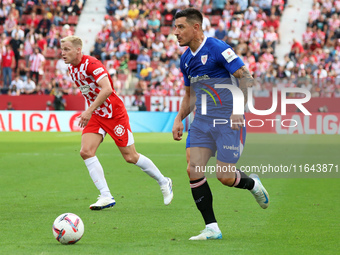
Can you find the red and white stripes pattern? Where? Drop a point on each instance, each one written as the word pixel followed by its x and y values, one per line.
pixel 82 80
pixel 314 14
pixel 36 62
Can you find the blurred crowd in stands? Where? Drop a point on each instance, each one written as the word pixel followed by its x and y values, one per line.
pixel 141 53
pixel 30 37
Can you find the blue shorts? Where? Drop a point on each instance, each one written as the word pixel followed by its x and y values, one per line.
pixel 187 143
pixel 227 142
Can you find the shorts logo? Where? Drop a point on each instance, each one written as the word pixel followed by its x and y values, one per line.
pixel 119 130
pixel 98 71
pixel 232 147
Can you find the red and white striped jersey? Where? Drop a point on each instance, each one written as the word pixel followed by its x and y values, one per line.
pixel 86 76
pixel 268 57
pixel 271 37
pixel 314 14
pixel 308 36
pixel 337 4
pixel 237 23
pixel 334 24
pixel 36 62
pixel 336 67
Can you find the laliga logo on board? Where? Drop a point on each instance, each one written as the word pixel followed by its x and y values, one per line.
pixel 74 122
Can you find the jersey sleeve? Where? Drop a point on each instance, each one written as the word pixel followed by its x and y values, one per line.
pixel 228 58
pixel 96 69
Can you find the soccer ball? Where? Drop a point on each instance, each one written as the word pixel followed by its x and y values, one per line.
pixel 68 228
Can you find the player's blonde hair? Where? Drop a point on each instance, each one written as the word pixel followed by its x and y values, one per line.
pixel 75 40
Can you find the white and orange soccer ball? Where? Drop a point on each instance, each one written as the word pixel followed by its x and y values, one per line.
pixel 68 228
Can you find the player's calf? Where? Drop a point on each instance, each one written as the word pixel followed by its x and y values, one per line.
pixel 227 181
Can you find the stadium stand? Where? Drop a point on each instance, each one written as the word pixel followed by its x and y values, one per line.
pixel 253 30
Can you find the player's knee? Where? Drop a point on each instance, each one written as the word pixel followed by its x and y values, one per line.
pixel 188 171
pixel 131 158
pixel 85 153
pixel 227 181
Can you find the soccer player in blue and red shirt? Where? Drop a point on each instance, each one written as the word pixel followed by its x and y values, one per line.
pixel 207 62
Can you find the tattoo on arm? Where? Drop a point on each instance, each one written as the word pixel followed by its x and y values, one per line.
pixel 245 80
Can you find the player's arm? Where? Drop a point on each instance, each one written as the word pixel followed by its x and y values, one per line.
pixel 186 107
pixel 245 81
pixel 104 93
pixel 227 57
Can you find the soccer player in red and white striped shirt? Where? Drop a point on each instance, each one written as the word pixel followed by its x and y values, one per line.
pixel 106 113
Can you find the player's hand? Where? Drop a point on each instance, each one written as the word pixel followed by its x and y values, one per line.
pixel 84 118
pixel 236 121
pixel 177 130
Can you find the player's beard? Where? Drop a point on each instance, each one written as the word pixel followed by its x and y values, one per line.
pixel 182 43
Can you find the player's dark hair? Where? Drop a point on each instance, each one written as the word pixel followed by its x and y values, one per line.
pixel 191 14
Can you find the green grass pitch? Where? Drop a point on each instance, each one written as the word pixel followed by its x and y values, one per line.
pixel 43 176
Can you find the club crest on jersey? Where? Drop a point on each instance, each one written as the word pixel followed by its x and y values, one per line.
pixel 81 77
pixel 204 59
pixel 119 130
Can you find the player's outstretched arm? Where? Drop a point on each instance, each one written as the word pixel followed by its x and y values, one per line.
pixel 187 106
